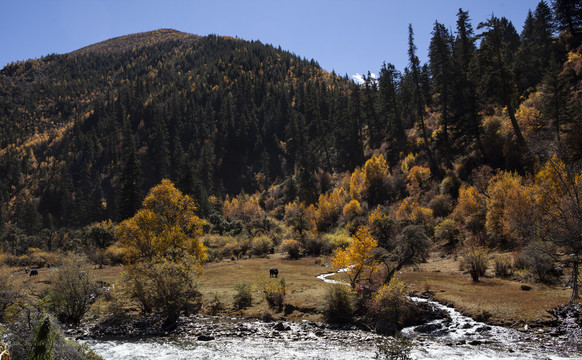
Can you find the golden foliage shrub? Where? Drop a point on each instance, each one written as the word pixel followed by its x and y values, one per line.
pixel 330 207
pixel 352 209
pixel 243 207
pixel 417 179
pixel 510 208
pixel 471 209
pixel 292 247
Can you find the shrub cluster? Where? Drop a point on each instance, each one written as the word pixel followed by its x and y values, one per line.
pixel 339 304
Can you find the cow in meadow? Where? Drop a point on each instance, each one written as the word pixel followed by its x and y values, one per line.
pixel 273 272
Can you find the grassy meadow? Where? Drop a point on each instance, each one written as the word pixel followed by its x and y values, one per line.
pixel 498 301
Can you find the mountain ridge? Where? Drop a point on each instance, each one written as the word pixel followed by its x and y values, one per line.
pixel 134 41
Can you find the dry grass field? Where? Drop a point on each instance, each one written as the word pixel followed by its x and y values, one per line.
pixel 303 289
pixel 501 301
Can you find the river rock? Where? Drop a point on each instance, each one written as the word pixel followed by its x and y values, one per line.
pixel 428 328
pixel 205 338
pixel 281 327
pixel 481 329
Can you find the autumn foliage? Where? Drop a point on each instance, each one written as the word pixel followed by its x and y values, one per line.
pixel 357 258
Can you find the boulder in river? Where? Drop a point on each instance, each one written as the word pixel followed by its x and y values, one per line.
pixel 205 338
pixel 281 327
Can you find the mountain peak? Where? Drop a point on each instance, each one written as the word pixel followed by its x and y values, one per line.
pixel 135 41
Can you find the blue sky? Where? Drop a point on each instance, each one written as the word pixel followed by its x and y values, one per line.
pixel 346 36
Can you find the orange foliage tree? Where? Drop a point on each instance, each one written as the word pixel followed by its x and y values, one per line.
pixel 329 207
pixel 166 227
pixel 559 194
pixel 510 208
pixel 357 256
pixel 471 209
pixel 243 207
pixel 162 246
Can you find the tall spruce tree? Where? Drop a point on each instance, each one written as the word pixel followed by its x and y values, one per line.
pixel 419 101
pixel 568 15
pixel 493 73
pixel 391 111
pixel 130 182
pixel 441 66
pixel 464 97
pixel 558 102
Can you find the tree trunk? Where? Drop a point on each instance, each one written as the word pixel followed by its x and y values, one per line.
pixel 575 292
pixel 516 129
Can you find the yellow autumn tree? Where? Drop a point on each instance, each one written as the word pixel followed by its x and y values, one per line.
pixel 410 209
pixel 471 209
pixel 376 175
pixel 417 179
pixel 162 248
pixel 301 218
pixel 329 207
pixel 243 207
pixel 357 257
pixel 510 208
pixel 357 184
pixel 166 227
pixel 559 194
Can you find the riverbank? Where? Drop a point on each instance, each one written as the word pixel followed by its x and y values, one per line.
pixel 493 300
pixel 452 336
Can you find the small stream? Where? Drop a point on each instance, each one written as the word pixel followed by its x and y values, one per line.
pixel 455 337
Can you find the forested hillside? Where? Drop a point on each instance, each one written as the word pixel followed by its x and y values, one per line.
pixel 469 147
pixel 85 135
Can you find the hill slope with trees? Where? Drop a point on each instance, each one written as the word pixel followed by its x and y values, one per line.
pixel 478 148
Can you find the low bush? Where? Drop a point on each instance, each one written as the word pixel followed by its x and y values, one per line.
pixel 293 248
pixel 441 205
pixel 476 262
pixel 243 297
pixel 503 265
pixel 262 245
pixel 446 231
pixel 317 246
pixel 537 259
pixel 385 306
pixel 339 304
pixel 273 291
pixel 115 254
pixel 38 258
pixel 9 291
pixel 73 291
pixel 164 286
pixel 215 304
pixel 341 238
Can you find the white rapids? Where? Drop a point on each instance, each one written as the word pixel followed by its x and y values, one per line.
pixel 456 337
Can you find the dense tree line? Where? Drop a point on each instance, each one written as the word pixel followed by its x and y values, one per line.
pixel 85 135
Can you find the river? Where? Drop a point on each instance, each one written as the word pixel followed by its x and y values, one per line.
pixel 457 337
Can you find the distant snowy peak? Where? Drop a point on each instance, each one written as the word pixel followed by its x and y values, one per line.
pixel 359 78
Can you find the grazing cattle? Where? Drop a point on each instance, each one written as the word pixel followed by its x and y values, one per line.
pixel 273 272
pixel 33 273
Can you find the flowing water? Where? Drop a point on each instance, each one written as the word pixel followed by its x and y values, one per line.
pixel 455 337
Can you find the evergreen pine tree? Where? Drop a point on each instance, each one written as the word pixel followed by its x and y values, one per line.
pixel 419 101
pixel 493 72
pixel 441 65
pixel 130 182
